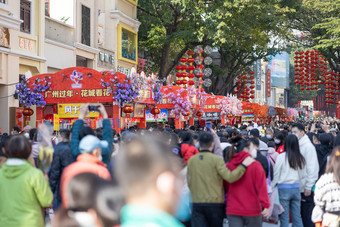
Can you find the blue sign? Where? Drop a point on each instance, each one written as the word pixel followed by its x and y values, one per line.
pixel 163 115
pixel 279 66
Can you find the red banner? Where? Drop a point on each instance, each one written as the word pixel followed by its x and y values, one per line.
pixel 268 80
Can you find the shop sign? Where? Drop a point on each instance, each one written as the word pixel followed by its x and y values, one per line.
pixel 257 72
pixel 247 117
pixel 25 44
pixel 214 116
pixel 4 37
pixel 163 115
pixel 138 111
pixel 72 110
pixel 56 122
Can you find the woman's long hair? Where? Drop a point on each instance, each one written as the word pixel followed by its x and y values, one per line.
pixel 295 159
pixel 334 164
pixel 238 144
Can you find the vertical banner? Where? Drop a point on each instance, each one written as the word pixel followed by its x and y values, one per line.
pixel 257 72
pixel 56 122
pixel 268 82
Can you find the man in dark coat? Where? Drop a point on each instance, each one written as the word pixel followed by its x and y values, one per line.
pixel 61 158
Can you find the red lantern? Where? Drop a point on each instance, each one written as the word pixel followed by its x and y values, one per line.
pixel 178 67
pixel 229 115
pixel 178 82
pixel 191 82
pixel 200 75
pixel 179 75
pixel 183 60
pixel 199 113
pixel 191 60
pixel 27 112
pixel 190 53
pixel 191 75
pixel 155 111
pixel 128 109
pixel 251 72
pixel 186 114
pixel 191 67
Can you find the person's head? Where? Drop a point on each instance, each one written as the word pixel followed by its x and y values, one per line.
pixel 295 158
pixel 298 130
pixel 254 146
pixel 333 131
pixel 238 145
pixel 334 164
pixel 99 133
pixel 206 141
pixel 92 145
pixel 64 135
pixel 185 137
pixel 85 131
pixel 255 133
pixel 148 174
pixel 269 133
pixel 33 134
pixel 96 200
pixel 18 147
pixel 325 139
pixel 127 137
pixel 279 138
pixel 4 140
pixel 16 130
pixel 316 139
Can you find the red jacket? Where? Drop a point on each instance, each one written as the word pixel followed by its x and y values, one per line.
pixel 247 196
pixel 280 149
pixel 188 151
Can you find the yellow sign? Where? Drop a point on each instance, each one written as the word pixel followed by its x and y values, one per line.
pixel 56 122
pixel 72 110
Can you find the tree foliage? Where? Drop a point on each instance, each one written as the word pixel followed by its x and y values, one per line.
pixel 239 29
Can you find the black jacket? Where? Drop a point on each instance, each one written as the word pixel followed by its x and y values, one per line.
pixel 323 151
pixel 61 158
pixel 264 162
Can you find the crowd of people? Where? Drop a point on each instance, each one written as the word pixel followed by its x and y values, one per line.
pixel 234 175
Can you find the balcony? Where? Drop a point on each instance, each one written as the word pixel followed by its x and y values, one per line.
pixel 58 31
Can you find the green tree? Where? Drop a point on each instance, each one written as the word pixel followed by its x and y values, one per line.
pixel 239 29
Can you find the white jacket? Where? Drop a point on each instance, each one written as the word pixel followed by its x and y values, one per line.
pixel 284 174
pixel 308 151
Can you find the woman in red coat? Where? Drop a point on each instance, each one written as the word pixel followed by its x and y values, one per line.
pixel 247 198
pixel 187 148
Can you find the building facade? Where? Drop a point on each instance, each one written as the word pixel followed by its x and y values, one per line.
pixel 103 35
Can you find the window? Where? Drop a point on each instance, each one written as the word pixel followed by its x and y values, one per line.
pixel 47 8
pixel 85 25
pixel 25 15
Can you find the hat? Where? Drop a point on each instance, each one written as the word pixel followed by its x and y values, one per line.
pixel 90 142
pixel 332 130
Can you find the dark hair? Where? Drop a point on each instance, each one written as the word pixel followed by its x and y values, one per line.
pixel 279 135
pixel 87 190
pixel 337 140
pixel 16 128
pixel 18 147
pixel 4 139
pixel 255 132
pixel 65 133
pixel 295 159
pixel 33 134
pixel 85 131
pixel 99 133
pixel 334 164
pixel 254 141
pixel 205 140
pixel 325 139
pixel 192 127
pixel 299 126
pixel 238 145
pixel 186 137
pixel 271 144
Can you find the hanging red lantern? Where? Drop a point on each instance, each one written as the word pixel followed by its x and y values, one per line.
pixel 199 113
pixel 190 53
pixel 200 75
pixel 178 82
pixel 191 75
pixel 27 112
pixel 178 67
pixel 128 109
pixel 155 111
pixel 191 82
pixel 191 67
pixel 251 72
pixel 185 114
pixel 183 60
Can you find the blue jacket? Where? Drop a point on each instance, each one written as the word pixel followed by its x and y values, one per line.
pixel 107 135
pixel 61 158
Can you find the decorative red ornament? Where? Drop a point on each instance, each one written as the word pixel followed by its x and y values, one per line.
pixel 251 72
pixel 179 75
pixel 27 112
pixel 191 82
pixel 190 53
pixel 191 67
pixel 128 109
pixel 199 113
pixel 178 67
pixel 200 75
pixel 183 60
pixel 252 96
pixel 178 82
pixel 155 111
pixel 186 114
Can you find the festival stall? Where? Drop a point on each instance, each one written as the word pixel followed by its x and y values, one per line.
pixel 58 96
